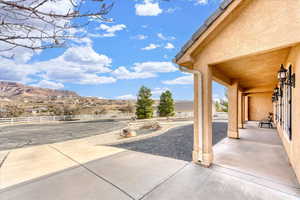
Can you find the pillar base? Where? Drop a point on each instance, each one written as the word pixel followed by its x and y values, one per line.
pixel 204 159
pixel 207 159
pixel 241 126
pixel 233 134
pixel 195 156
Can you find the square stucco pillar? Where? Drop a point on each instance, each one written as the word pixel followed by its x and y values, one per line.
pixel 198 139
pixel 246 108
pixel 233 131
pixel 203 152
pixel 240 110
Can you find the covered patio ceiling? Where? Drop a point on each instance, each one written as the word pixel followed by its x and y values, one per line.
pixel 254 71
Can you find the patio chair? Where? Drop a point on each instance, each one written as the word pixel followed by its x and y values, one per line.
pixel 268 121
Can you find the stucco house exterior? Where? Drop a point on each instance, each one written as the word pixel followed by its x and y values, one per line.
pixel 243 46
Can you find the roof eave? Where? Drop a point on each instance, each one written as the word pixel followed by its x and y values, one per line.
pixel 208 22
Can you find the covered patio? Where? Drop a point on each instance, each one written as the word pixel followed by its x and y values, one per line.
pixel 243 46
pixel 258 156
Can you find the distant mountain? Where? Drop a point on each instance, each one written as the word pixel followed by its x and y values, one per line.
pixel 12 90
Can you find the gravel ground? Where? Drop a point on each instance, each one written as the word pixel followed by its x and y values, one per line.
pixel 176 143
pixel 35 134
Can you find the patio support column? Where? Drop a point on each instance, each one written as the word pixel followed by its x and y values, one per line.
pixel 198 139
pixel 207 151
pixel 246 108
pixel 233 131
pixel 240 109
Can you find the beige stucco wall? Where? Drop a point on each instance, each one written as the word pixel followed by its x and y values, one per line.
pixel 253 27
pixel 260 104
pixel 253 30
pixel 293 147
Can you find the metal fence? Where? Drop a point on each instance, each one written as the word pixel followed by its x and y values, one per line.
pixel 41 119
pixel 60 118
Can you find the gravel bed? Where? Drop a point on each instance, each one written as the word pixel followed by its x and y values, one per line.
pixel 176 143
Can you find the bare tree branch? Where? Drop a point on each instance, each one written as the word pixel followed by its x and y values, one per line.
pixel 41 24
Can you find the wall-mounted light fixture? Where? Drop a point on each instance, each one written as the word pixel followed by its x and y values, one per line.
pixel 286 77
pixel 274 98
pixel 277 92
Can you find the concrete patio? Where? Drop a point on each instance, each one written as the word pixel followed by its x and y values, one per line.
pixel 84 170
pixel 259 156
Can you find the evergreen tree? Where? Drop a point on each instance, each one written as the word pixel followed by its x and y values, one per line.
pixel 224 103
pixel 144 109
pixel 166 105
pixel 218 105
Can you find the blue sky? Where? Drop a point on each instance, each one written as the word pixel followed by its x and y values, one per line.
pixel 113 60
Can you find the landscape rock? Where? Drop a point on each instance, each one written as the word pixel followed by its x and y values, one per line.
pixel 155 125
pixel 128 132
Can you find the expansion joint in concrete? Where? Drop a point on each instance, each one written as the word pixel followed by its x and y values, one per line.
pixel 3 160
pixel 169 177
pixel 91 171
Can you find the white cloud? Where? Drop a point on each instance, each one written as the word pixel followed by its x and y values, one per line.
pixel 12 71
pixel 144 70
pixel 123 73
pixel 183 80
pixel 171 10
pixel 151 47
pixel 110 31
pixel 94 79
pixel 78 64
pixel 126 97
pixel 140 37
pixel 154 67
pixel 159 91
pixel 201 2
pixel 216 97
pixel 49 84
pixel 169 46
pixel 83 41
pixel 148 8
pixel 86 58
pixel 163 37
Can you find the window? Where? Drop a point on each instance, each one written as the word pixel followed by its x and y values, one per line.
pixel 283 109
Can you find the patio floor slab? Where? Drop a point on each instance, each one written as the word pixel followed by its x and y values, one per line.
pixel 75 183
pixel 260 154
pixel 134 175
pixel 137 173
pixel 195 182
pixel 28 163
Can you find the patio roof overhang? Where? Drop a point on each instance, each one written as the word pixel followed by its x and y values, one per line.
pixel 205 33
pixel 254 73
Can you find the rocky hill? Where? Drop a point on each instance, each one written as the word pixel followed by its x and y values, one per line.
pixel 12 90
